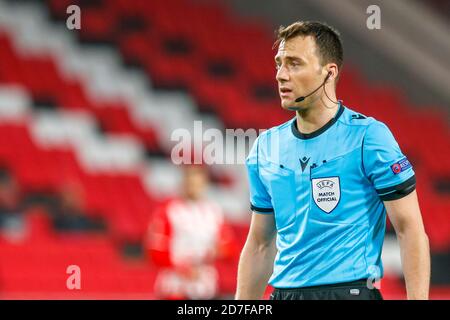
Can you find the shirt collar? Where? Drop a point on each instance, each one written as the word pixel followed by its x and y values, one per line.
pixel 319 131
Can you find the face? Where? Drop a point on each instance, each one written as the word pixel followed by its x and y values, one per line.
pixel 72 197
pixel 9 193
pixel 195 182
pixel 299 71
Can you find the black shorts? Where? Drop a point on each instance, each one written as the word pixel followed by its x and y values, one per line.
pixel 356 290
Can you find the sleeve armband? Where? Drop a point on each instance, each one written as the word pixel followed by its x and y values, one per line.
pixel 261 210
pixel 399 191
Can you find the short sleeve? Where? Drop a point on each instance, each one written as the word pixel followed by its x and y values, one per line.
pixel 385 165
pixel 260 200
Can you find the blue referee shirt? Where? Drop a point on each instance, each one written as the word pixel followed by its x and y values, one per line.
pixel 326 190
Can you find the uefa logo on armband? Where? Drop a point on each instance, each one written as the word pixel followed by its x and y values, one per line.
pixel 400 166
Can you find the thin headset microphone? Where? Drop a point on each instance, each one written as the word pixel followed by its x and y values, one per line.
pixel 300 99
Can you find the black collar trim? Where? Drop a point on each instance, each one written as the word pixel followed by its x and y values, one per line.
pixel 319 131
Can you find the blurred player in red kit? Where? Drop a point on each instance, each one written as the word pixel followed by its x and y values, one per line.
pixel 186 236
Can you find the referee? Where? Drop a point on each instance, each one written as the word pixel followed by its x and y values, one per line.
pixel 321 185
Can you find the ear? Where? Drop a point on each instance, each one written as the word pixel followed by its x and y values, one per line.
pixel 332 71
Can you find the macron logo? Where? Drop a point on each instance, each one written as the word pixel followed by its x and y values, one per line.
pixel 304 162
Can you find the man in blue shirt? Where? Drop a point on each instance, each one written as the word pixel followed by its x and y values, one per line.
pixel 320 187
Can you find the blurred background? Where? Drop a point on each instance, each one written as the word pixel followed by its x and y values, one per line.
pixel 86 118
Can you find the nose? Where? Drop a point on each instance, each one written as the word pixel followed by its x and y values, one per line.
pixel 282 74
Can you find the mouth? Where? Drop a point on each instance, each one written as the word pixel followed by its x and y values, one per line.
pixel 285 92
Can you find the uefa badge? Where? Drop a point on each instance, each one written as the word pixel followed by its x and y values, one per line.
pixel 326 193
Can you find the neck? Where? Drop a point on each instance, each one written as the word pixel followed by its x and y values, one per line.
pixel 317 114
pixel 192 197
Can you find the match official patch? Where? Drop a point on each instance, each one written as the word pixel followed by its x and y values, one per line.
pixel 326 193
pixel 400 166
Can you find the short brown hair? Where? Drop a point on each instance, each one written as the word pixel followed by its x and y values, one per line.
pixel 328 39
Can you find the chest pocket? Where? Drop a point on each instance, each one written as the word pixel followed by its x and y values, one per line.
pixel 281 184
